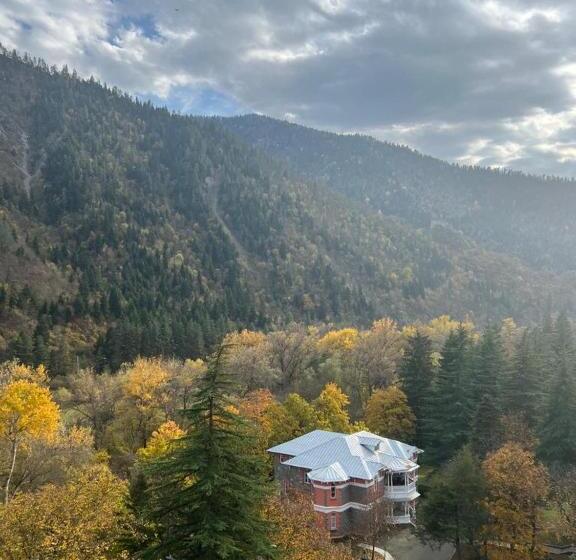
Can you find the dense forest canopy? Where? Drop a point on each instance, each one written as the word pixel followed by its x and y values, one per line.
pixel 126 230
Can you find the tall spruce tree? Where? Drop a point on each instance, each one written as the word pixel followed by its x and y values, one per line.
pixel 207 499
pixel 523 388
pixel 416 375
pixel 558 428
pixel 454 508
pixel 487 430
pixel 449 408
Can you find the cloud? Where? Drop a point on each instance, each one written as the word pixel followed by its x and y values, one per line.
pixel 491 82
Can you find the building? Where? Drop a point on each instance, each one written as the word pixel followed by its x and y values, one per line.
pixel 348 473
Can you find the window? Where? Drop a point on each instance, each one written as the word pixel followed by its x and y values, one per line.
pixel 332 491
pixel 333 522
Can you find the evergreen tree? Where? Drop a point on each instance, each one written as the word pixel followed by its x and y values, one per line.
pixel 489 367
pixel 448 419
pixel 558 429
pixel 522 392
pixel 453 510
pixel 416 375
pixel 487 431
pixel 209 491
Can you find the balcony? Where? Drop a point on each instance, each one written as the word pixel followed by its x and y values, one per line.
pixel 401 491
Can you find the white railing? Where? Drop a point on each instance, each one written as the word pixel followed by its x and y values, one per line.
pixel 401 490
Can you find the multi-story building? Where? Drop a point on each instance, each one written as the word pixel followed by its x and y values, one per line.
pixel 347 474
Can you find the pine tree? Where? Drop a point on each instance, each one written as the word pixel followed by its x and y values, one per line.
pixel 487 431
pixel 454 509
pixel 489 367
pixel 448 419
pixel 210 488
pixel 558 429
pixel 522 392
pixel 416 375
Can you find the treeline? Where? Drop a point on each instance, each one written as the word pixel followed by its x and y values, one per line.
pixel 493 411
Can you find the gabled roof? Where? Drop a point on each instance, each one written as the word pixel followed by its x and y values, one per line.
pixel 361 455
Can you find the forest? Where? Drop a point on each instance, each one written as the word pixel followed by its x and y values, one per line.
pixel 127 230
pixel 156 458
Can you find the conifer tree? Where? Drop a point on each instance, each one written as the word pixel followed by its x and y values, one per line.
pixel 448 420
pixel 487 431
pixel 209 490
pixel 416 375
pixel 558 429
pixel 489 367
pixel 522 392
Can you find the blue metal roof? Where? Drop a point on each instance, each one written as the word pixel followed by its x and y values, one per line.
pixel 361 455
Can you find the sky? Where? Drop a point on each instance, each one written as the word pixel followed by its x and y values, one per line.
pixel 487 82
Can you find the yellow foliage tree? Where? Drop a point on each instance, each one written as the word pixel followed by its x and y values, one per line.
pixel 296 533
pixel 255 406
pixel 15 371
pixel 245 338
pixel 388 414
pixel 332 409
pixel 27 411
pixel 161 441
pixel 81 519
pixel 517 491
pixel 339 341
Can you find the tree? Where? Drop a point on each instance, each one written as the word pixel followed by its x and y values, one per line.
pixel 564 499
pixel 296 533
pixel 80 519
pixel 207 493
pixel 453 509
pixel 388 414
pixel 93 397
pixel 449 409
pixel 416 376
pixel 487 430
pixel 342 340
pixel 293 418
pixel 522 392
pixel 489 368
pixel 27 411
pixel 373 362
pixel 517 490
pixel 161 441
pixel 331 409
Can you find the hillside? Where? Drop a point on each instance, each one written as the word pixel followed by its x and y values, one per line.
pixel 509 212
pixel 128 230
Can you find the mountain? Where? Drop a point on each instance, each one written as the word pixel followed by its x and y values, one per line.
pixel 529 217
pixel 127 230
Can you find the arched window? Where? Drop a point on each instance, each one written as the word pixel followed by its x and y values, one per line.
pixel 332 491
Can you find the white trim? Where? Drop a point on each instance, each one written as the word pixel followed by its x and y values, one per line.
pixel 340 509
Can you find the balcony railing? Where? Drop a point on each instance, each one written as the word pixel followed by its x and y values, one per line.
pixel 400 490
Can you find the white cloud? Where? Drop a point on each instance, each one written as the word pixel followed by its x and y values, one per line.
pixel 483 81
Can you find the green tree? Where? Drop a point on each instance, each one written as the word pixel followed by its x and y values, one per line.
pixel 558 428
pixel 453 509
pixel 208 491
pixel 487 430
pixel 448 420
pixel 416 376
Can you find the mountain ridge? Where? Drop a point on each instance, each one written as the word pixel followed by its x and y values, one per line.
pixel 134 231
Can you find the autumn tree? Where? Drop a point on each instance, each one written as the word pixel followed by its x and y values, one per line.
pixel 27 412
pixel 207 493
pixel 142 407
pixel 292 418
pixel 564 500
pixel 332 409
pixel 92 398
pixel 388 414
pixel 82 518
pixel 517 491
pixel 160 441
pixel 250 360
pixel 296 533
pixel 373 362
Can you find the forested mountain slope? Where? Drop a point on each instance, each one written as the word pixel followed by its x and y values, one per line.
pixel 128 230
pixel 517 214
